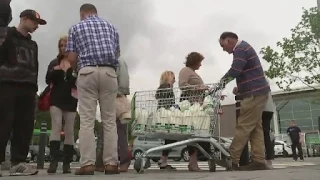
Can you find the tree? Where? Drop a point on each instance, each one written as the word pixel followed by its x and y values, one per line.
pixel 299 59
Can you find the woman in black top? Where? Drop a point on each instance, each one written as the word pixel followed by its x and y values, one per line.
pixel 63 108
pixel 166 99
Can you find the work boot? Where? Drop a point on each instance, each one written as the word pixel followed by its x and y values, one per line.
pixel 54 157
pixel 68 152
pixel 254 166
pixel 85 170
pixel 111 169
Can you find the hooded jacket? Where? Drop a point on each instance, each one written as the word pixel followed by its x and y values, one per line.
pixel 6 13
pixel 19 59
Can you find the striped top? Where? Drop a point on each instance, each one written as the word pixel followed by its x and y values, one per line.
pixel 246 68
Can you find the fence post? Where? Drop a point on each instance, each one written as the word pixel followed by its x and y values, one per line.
pixel 244 158
pixel 42 145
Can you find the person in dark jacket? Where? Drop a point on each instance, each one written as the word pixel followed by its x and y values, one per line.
pixel 18 88
pixel 63 108
pixel 166 99
pixel 5 18
pixel 295 135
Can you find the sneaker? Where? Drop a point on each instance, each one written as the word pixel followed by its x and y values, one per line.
pixel 23 169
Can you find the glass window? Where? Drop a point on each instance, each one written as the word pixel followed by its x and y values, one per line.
pixel 284 106
pixel 299 105
pixel 315 113
pixel 151 139
pixel 141 138
pixel 301 114
pixel 284 124
pixel 315 121
pixel 285 116
pixel 304 124
pixel 315 103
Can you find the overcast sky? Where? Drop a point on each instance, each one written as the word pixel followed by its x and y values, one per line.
pixel 156 35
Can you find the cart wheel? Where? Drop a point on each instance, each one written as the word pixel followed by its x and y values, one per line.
pixel 147 163
pixel 212 165
pixel 138 165
pixel 228 164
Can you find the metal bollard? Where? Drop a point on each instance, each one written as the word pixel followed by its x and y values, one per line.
pixel 42 145
pixel 244 158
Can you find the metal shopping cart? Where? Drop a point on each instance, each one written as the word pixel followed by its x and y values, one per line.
pixel 188 115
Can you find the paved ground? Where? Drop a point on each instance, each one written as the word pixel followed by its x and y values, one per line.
pixel 287 170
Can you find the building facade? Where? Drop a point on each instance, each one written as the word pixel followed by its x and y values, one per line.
pixel 301 105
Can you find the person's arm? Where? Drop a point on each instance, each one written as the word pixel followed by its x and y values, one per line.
pixel 51 65
pixel 184 77
pixel 71 79
pixel 300 135
pixel 118 52
pixel 72 48
pixel 238 64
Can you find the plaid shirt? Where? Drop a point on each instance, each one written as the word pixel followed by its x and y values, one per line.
pixel 95 41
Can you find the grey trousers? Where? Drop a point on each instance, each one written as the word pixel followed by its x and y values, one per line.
pixel 123 150
pixel 56 120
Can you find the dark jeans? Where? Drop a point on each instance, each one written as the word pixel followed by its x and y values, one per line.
pixel 17 115
pixel 269 147
pixel 295 146
pixel 123 150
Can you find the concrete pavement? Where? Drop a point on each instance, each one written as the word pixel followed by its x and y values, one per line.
pixel 308 170
pixel 294 173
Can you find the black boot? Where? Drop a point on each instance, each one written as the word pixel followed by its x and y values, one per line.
pixel 54 156
pixel 68 152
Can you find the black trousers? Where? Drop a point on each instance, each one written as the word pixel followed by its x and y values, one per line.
pixel 17 115
pixel 294 147
pixel 269 147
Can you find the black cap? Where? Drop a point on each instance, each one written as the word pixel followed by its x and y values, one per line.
pixel 33 15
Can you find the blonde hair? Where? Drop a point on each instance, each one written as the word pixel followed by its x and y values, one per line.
pixel 62 38
pixel 166 76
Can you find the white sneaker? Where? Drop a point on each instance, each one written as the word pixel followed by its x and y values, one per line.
pixel 23 169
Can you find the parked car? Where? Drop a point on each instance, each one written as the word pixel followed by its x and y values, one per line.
pixel 34 152
pixel 281 148
pixel 142 144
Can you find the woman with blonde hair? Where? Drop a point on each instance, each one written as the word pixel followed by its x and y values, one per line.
pixel 166 99
pixel 63 108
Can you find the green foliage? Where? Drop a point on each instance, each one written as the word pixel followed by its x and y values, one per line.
pixel 299 59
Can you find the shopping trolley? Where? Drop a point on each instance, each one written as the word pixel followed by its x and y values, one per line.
pixel 188 115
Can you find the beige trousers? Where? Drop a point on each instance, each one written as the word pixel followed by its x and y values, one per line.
pixel 56 121
pixel 97 84
pixel 249 127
